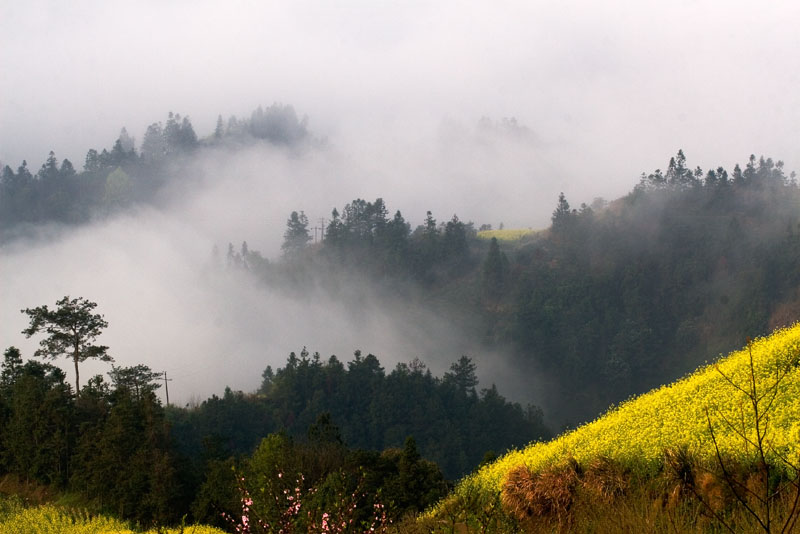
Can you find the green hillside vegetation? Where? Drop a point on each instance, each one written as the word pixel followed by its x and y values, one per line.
pixel 612 300
pixel 113 179
pixel 728 432
pixel 113 449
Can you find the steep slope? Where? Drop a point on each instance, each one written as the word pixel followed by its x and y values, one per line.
pixel 682 415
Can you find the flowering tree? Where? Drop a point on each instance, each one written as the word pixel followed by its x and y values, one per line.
pixel 339 520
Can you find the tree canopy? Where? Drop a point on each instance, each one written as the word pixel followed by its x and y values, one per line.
pixel 71 330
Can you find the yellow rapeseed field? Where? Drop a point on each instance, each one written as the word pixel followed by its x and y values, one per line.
pixel 505 235
pixel 638 432
pixel 49 519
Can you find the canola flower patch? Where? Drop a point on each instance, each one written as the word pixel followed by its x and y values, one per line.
pixel 638 432
pixel 48 519
pixel 506 235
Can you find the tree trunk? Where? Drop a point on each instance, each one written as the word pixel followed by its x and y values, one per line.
pixel 77 377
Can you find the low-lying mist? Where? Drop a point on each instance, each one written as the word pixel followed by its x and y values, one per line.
pixel 492 172
pixel 172 307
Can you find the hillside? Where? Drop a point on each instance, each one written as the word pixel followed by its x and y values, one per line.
pixel 613 299
pixel 641 436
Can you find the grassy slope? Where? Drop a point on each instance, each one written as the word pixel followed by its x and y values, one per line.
pixel 638 432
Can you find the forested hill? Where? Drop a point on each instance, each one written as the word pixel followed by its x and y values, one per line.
pixel 454 423
pixel 687 265
pixel 115 178
pixel 117 449
pixel 611 300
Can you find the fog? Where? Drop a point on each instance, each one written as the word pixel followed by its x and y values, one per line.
pixel 618 86
pixel 599 93
pixel 483 174
pixel 173 307
pixel 170 307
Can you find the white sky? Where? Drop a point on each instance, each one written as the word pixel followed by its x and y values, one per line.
pixel 619 86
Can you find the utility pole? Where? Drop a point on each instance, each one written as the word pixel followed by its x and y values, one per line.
pixel 166 386
pixel 320 229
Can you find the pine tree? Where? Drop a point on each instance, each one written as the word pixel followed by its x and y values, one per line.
pixel 219 131
pixel 296 237
pixel 71 330
pixel 562 216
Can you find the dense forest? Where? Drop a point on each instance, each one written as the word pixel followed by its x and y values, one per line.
pixel 115 178
pixel 610 300
pixel 613 299
pixel 355 428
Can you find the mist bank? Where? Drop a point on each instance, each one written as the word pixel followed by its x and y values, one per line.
pixel 170 307
pixel 248 174
pixel 146 258
pixel 617 83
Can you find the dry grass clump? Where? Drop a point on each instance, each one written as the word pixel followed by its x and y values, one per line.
pixel 546 495
pixel 605 479
pixel 691 478
pixel 551 495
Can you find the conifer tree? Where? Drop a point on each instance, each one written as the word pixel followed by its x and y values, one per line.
pixel 296 236
pixel 71 330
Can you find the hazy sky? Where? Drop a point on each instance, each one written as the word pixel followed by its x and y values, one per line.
pixel 606 89
pixel 616 86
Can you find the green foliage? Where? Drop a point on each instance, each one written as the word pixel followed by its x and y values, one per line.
pixel 119 190
pixel 562 216
pixel 333 478
pixel 278 124
pixel 364 238
pixel 462 376
pixel 609 303
pixel 71 330
pixel 453 425
pixel 495 272
pixel 124 461
pixel 613 297
pixel 138 381
pixel 38 431
pixel 376 410
pixel 110 446
pixel 11 369
pixel 112 179
pixel 296 237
